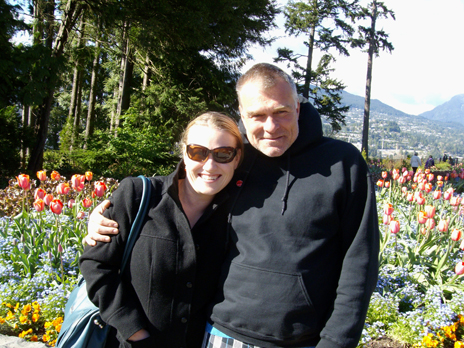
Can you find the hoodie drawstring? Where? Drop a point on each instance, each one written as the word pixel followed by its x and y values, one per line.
pixel 287 189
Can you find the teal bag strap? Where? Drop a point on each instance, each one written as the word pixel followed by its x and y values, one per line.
pixel 137 224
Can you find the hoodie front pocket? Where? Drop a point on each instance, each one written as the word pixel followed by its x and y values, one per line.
pixel 266 304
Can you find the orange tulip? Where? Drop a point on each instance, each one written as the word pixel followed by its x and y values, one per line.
pixel 422 217
pixel 39 205
pixel 387 184
pixel 86 202
pixel 88 176
pixel 24 181
pixel 56 206
pixel 42 175
pixel 380 183
pixel 55 175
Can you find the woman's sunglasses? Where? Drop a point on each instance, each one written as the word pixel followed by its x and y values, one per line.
pixel 200 153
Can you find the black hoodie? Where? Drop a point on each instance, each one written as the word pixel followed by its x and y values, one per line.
pixel 304 258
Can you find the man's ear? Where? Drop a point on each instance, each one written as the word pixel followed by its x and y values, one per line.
pixel 298 109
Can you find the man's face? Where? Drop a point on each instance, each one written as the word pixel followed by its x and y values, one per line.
pixel 270 116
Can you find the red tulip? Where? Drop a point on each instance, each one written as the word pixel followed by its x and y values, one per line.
pixel 100 188
pixel 63 188
pixel 421 217
pixel 384 174
pixel 439 183
pixel 443 225
pixel 459 269
pixel 380 183
pixel 86 202
pixel 39 205
pixel 456 234
pixel 387 184
pixel 55 175
pixel 48 198
pixel 88 176
pixel 420 200
pixel 56 206
pixel 439 178
pixel 23 181
pixel 429 211
pixel 39 193
pixel 428 187
pixel 394 226
pixel 404 190
pixel 430 177
pixel 80 215
pixel 402 180
pixel 42 175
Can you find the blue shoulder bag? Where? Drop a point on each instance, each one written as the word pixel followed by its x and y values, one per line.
pixel 82 326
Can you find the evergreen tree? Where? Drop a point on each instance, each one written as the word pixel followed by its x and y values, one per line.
pixel 325 25
pixel 375 40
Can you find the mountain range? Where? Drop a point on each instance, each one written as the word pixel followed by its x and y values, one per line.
pixel 451 112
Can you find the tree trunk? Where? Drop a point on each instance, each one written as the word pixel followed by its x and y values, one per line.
pixel 307 83
pixel 127 67
pixel 367 100
pixel 25 122
pixel 92 96
pixel 70 16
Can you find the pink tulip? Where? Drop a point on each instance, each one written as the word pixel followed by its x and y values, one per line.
pixel 437 194
pixel 24 182
pixel 439 177
pixel 384 175
pixel 410 196
pixel 55 175
pixel 394 226
pixel 420 200
pixel 39 193
pixel 77 182
pixel 448 194
pixel 387 219
pixel 48 198
pixel 443 225
pixel 429 211
pixel 71 203
pixel 62 188
pixel 455 201
pixel 430 224
pixel 80 215
pixel 459 269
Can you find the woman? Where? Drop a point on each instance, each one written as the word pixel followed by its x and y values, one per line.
pixel 161 298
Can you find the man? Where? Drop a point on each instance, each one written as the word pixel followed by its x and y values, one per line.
pixel 429 163
pixel 303 261
pixel 415 162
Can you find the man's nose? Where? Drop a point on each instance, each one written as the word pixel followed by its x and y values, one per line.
pixel 271 124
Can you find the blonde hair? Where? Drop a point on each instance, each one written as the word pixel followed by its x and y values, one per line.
pixel 215 120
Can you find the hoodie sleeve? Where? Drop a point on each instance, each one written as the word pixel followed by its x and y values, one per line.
pixel 359 272
pixel 116 298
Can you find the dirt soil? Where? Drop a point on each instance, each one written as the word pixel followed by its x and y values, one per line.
pixel 386 342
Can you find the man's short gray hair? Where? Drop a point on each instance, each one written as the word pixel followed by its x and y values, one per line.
pixel 268 75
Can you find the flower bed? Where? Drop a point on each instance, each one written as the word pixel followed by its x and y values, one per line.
pixel 418 300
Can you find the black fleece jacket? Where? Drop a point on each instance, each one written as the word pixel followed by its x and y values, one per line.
pixel 172 273
pixel 305 239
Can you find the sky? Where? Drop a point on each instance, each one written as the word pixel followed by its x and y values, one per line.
pixel 426 68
